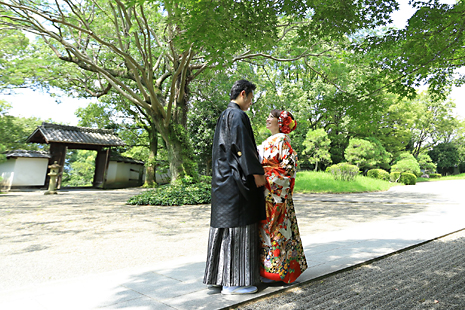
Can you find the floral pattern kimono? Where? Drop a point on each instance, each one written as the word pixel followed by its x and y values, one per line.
pixel 282 256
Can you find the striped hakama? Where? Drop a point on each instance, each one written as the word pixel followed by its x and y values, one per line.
pixel 233 257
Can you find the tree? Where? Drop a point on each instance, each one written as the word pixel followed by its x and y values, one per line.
pixel 150 52
pixel 14 131
pixel 366 154
pixel 434 122
pixel 391 125
pixel 407 163
pixel 2 156
pixel 137 131
pixel 317 147
pixel 80 171
pixel 13 45
pixel 446 156
pixel 426 164
pixel 427 51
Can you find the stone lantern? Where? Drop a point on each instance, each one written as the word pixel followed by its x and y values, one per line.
pixel 54 172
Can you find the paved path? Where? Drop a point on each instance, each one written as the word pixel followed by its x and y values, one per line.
pixel 88 250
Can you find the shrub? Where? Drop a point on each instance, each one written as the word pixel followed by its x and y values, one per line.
pixel 426 164
pixel 343 171
pixel 367 153
pixel 408 178
pixel 186 192
pixel 407 163
pixel 434 175
pixel 394 177
pixel 378 174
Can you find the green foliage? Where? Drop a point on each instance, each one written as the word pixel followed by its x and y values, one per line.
pixel 13 45
pixel 317 145
pixel 390 125
pixel 427 51
pixel 434 175
pixel 2 156
pixel 79 168
pixel 446 156
pixel 366 154
pixel 394 177
pixel 15 130
pixel 378 174
pixel 433 122
pixel 360 152
pixel 343 171
pixel 180 57
pixel 210 100
pixel 426 164
pixel 180 137
pixel 407 163
pixel 408 178
pixel 322 182
pixel 241 25
pixel 185 192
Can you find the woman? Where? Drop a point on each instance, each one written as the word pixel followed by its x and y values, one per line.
pixel 282 256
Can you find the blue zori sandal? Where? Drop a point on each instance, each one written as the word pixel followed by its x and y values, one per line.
pixel 238 290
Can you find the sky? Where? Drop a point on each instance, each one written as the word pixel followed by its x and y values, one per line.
pixel 28 103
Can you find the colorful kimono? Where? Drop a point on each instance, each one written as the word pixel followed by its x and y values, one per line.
pixel 282 256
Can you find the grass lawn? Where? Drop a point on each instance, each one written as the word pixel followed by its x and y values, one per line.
pixel 322 182
pixel 449 177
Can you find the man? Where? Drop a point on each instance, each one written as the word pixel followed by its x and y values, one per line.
pixel 238 202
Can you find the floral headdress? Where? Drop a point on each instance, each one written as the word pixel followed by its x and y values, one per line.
pixel 286 123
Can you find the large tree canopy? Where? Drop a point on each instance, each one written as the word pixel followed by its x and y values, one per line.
pixel 150 52
pixel 168 65
pixel 427 51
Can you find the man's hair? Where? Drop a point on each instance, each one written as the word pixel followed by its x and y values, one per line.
pixel 239 86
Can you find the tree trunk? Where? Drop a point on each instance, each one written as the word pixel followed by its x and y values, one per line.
pixel 179 147
pixel 316 166
pixel 180 154
pixel 151 175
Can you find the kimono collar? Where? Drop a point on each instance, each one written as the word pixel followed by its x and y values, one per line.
pixel 234 105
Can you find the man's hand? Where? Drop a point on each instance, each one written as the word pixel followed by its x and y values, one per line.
pixel 260 180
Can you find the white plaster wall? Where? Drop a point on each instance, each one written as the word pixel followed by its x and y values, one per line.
pixel 30 171
pixel 134 175
pixel 7 172
pixel 111 172
pixel 121 172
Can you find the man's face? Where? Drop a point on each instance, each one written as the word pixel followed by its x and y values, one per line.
pixel 245 101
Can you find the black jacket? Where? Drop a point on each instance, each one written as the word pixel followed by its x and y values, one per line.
pixel 236 200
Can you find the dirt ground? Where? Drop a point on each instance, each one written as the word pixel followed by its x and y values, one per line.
pixel 79 232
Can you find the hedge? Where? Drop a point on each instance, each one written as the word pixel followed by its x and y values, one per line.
pixel 378 174
pixel 184 193
pixel 343 171
pixel 394 176
pixel 408 178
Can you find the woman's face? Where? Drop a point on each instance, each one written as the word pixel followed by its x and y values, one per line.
pixel 272 124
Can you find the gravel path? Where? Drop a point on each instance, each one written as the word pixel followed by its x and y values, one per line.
pixel 75 233
pixel 431 276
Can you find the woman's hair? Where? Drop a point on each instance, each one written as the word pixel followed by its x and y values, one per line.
pixel 286 123
pixel 277 113
pixel 239 86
